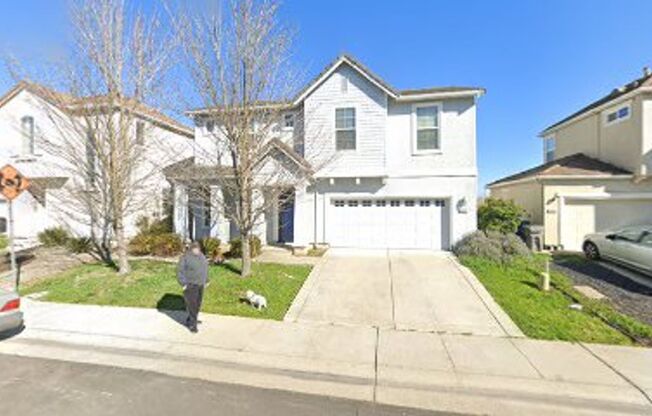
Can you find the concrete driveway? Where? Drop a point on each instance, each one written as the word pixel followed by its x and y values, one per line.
pixel 405 290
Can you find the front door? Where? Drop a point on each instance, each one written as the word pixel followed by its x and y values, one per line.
pixel 286 218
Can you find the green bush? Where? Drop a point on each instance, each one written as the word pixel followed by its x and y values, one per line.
pixel 499 215
pixel 255 247
pixel 54 237
pixel 154 226
pixel 211 247
pixel 80 245
pixel 491 245
pixel 4 241
pixel 163 245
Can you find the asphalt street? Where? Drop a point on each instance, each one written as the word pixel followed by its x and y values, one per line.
pixel 33 386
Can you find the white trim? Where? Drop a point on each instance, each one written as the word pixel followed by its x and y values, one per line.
pixel 413 128
pixel 332 69
pixel 440 95
pixel 602 196
pixel 598 109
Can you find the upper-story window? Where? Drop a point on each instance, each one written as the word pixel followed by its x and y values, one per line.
pixel 27 127
pixel 549 145
pixel 140 132
pixel 345 128
pixel 91 159
pixel 426 128
pixel 288 121
pixel 617 115
pixel 210 126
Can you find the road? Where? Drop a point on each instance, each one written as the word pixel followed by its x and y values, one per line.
pixel 32 386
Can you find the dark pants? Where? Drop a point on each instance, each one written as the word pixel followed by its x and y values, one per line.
pixel 193 296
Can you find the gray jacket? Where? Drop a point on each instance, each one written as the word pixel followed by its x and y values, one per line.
pixel 192 269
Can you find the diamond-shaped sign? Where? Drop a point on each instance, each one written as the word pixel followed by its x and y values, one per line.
pixel 12 183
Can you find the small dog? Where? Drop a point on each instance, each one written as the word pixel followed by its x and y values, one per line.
pixel 257 301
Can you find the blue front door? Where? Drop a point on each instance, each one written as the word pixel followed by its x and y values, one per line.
pixel 286 218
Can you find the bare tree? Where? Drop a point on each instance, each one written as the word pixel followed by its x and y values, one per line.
pixel 240 67
pixel 99 137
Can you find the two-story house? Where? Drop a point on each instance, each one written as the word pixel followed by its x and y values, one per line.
pixel 30 131
pixel 597 170
pixel 399 167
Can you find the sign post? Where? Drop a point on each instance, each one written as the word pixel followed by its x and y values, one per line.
pixel 12 184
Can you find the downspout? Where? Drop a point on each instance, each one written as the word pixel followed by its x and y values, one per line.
pixel 314 241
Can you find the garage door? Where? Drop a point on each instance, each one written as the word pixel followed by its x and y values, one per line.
pixel 388 223
pixel 582 217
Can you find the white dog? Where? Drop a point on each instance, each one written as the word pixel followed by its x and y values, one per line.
pixel 257 301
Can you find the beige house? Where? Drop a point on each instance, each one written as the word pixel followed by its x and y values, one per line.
pixel 597 173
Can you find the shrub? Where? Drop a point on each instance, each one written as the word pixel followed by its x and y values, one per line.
pixel 255 246
pixel 491 245
pixel 4 241
pixel 154 226
pixel 163 245
pixel 211 246
pixel 80 245
pixel 166 245
pixel 54 237
pixel 499 215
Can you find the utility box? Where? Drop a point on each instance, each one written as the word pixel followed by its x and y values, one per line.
pixel 534 237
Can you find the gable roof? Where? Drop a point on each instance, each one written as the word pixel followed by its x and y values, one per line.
pixel 71 102
pixel 631 87
pixel 402 95
pixel 574 165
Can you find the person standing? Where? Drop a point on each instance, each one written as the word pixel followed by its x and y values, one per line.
pixel 192 274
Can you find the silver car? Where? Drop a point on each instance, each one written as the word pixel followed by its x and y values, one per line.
pixel 631 246
pixel 11 317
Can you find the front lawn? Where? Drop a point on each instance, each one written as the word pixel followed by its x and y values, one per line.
pixel 153 284
pixel 546 315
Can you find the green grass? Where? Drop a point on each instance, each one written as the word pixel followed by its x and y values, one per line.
pixel 153 284
pixel 546 315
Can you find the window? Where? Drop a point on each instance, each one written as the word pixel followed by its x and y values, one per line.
pixel 210 126
pixel 140 132
pixel 345 128
pixel 339 203
pixel 352 203
pixel 629 234
pixel 646 240
pixel 409 203
pixel 380 203
pixel 288 121
pixel 27 126
pixel 366 203
pixel 617 115
pixel 207 211
pixel 394 203
pixel 424 203
pixel 549 145
pixel 427 128
pixel 344 84
pixel 440 203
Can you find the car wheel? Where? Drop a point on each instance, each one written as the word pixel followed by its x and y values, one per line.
pixel 591 251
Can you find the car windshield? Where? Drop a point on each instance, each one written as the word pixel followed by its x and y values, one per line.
pixel 632 233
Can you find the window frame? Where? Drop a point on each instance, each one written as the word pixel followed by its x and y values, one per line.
pixel 547 150
pixel 616 110
pixel 294 120
pixel 355 127
pixel 439 128
pixel 28 144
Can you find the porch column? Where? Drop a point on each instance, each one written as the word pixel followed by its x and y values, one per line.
pixel 219 221
pixel 260 228
pixel 180 219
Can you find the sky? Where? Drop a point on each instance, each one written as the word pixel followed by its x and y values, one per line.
pixel 539 60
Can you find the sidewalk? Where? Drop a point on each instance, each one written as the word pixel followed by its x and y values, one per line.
pixel 473 374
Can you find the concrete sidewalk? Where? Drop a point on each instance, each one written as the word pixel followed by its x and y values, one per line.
pixel 472 374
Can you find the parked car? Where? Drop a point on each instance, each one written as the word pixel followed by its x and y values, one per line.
pixel 11 317
pixel 631 246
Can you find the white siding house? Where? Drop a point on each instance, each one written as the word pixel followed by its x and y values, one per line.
pixel 26 119
pixel 391 169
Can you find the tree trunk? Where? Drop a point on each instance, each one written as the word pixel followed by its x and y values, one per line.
pixel 123 262
pixel 246 255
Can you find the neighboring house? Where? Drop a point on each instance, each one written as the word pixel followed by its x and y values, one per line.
pixel 26 120
pixel 598 169
pixel 399 167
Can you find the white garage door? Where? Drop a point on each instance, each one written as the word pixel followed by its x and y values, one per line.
pixel 582 217
pixel 388 223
